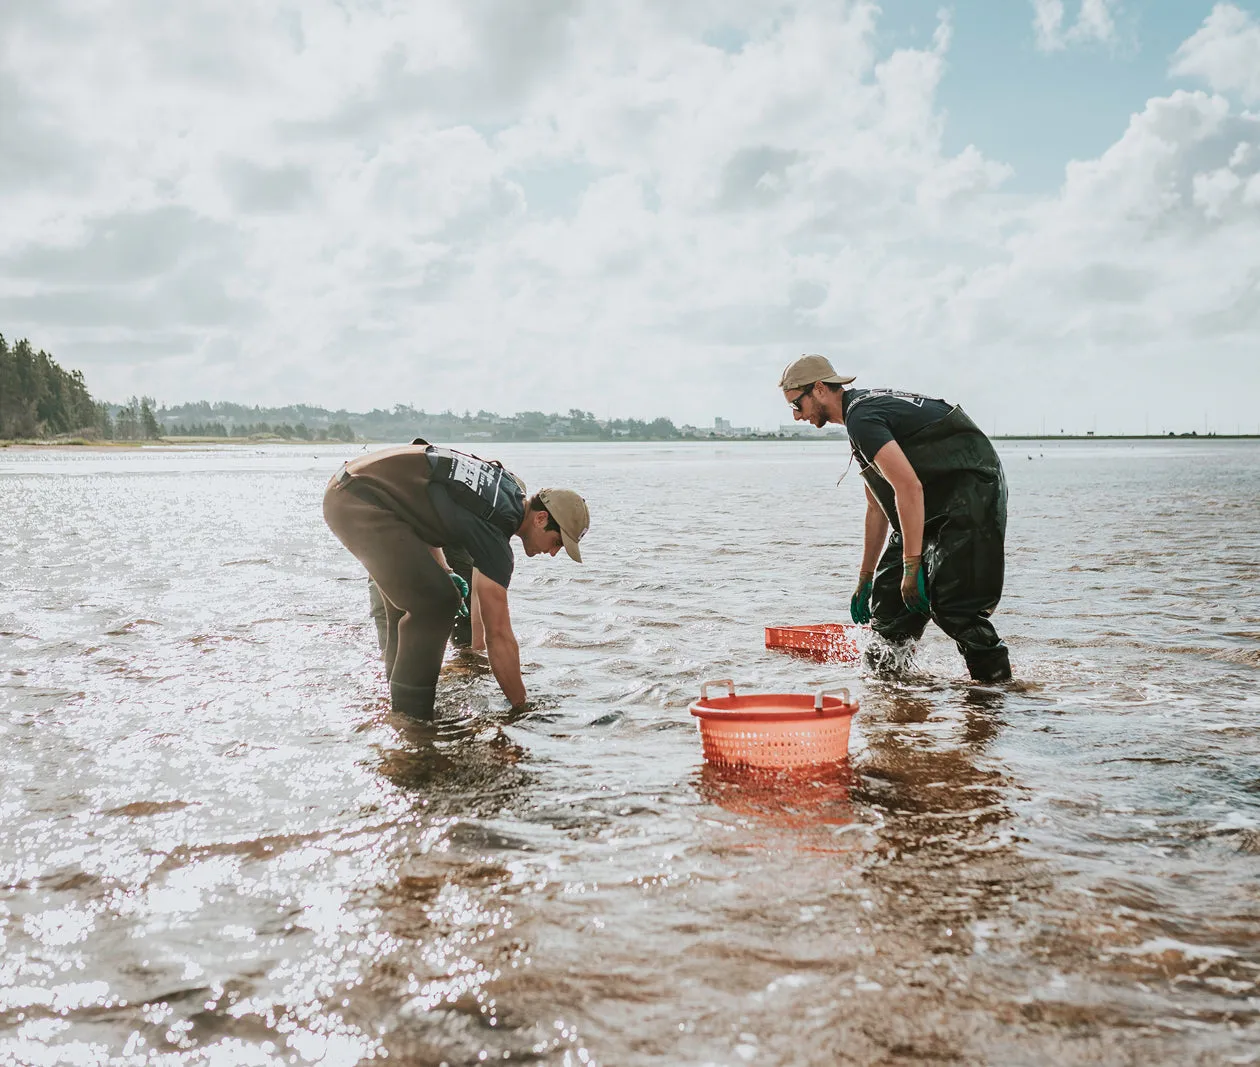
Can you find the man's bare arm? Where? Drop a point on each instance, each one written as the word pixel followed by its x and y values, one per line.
pixel 896 469
pixel 875 532
pixel 501 644
pixel 478 629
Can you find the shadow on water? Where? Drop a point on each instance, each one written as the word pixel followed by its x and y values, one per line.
pixel 944 806
pixel 446 907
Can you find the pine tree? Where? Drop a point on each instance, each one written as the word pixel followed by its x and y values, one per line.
pixel 127 421
pixel 148 421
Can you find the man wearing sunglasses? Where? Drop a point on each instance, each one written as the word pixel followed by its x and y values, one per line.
pixel 935 479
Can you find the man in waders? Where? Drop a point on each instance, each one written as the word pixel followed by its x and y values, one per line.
pixel 934 477
pixel 397 509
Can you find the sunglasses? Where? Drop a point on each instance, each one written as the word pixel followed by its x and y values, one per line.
pixel 796 400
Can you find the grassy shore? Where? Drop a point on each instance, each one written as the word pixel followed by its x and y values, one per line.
pixel 68 442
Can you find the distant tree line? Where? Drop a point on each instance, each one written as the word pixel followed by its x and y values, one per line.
pixel 133 421
pixel 402 423
pixel 337 431
pixel 39 399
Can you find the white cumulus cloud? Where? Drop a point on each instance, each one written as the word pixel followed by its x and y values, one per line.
pixel 1224 53
pixel 1095 21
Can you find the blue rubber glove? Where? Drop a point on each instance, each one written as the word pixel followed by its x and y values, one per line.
pixel 860 604
pixel 462 587
pixel 913 591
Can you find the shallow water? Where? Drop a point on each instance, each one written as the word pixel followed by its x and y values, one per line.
pixel 217 844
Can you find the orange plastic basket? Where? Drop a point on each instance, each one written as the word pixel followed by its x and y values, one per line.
pixel 773 729
pixel 826 641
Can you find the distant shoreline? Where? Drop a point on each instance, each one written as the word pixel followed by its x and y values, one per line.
pixel 1125 437
pixel 182 442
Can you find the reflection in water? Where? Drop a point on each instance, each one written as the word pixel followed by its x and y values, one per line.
pixel 792 799
pixel 944 861
pixel 446 912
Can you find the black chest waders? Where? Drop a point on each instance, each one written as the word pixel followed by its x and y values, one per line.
pixel 964 533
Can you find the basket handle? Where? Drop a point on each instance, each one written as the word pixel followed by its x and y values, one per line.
pixel 818 697
pixel 704 687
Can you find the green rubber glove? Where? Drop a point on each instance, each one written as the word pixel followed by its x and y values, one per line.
pixel 860 604
pixel 462 587
pixel 913 591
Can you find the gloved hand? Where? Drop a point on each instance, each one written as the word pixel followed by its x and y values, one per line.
pixel 913 591
pixel 860 603
pixel 462 587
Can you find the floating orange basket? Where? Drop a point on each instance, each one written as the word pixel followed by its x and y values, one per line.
pixel 773 729
pixel 827 641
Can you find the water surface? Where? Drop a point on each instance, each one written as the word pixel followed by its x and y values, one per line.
pixel 218 845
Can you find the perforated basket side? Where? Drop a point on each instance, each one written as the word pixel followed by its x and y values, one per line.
pixel 823 642
pixel 793 743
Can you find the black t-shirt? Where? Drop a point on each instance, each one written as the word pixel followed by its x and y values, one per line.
pixel 873 417
pixel 489 547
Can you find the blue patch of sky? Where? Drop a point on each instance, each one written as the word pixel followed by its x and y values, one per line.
pixel 1037 110
pixel 727 38
pixel 1019 105
pixel 555 191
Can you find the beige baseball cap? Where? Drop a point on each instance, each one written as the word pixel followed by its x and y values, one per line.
pixel 810 369
pixel 571 514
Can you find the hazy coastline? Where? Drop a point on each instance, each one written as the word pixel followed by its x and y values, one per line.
pixel 184 443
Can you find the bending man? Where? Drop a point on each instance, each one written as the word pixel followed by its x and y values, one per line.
pixel 396 510
pixel 934 477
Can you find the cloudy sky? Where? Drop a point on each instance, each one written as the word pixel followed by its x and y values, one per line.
pixel 1047 210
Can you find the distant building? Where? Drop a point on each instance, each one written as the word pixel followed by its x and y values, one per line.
pixel 721 425
pixel 804 429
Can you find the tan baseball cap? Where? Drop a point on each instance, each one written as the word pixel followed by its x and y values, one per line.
pixel 570 513
pixel 810 369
